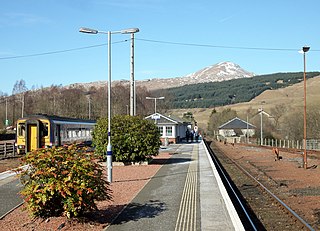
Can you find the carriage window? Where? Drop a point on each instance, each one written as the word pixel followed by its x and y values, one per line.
pixel 21 129
pixel 45 129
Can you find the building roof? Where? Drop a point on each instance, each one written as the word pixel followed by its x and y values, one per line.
pixel 161 119
pixel 237 123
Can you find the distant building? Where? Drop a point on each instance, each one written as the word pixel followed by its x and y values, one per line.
pixel 171 128
pixel 236 129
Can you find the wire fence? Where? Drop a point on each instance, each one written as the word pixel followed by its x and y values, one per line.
pixel 312 144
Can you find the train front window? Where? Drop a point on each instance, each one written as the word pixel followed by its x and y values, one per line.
pixel 21 129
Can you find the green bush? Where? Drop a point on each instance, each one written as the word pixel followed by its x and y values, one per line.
pixel 133 139
pixel 62 181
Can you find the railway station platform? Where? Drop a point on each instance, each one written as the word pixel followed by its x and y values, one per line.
pixel 185 194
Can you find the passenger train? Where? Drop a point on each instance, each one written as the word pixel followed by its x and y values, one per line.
pixel 43 131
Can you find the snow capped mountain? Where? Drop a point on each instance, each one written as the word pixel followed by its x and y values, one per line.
pixel 220 72
pixel 215 73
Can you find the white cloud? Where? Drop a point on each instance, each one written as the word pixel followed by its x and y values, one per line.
pixel 225 19
pixel 18 19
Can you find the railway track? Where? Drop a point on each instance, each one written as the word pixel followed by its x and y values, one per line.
pixel 260 208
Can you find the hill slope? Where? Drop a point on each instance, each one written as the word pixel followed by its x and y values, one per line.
pixel 216 94
pixel 291 95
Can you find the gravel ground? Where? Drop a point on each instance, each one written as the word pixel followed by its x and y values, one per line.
pixel 299 188
pixel 127 183
pixel 8 164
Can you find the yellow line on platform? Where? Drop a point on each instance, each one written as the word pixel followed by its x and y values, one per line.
pixel 188 206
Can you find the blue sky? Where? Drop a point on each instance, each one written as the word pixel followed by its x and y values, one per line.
pixel 163 47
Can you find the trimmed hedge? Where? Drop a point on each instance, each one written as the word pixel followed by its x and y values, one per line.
pixel 133 139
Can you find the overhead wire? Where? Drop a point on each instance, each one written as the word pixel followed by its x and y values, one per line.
pixel 218 46
pixel 59 51
pixel 153 41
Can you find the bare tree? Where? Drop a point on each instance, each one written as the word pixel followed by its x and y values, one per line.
pixel 19 89
pixel 120 99
pixel 143 105
pixel 218 118
pixel 277 112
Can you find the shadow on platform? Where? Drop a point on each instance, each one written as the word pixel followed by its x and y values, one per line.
pixel 136 211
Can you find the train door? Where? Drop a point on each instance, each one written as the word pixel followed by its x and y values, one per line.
pixel 32 137
pixel 58 134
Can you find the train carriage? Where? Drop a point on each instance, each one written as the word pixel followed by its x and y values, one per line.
pixel 43 131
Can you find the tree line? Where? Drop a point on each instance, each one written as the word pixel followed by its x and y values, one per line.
pixel 74 102
pixel 286 122
pixel 213 94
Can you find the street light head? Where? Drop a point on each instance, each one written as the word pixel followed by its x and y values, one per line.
pixel 88 30
pixel 305 49
pixel 161 97
pixel 130 31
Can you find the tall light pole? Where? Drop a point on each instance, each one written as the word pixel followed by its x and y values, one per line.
pixel 7 122
pixel 93 31
pixel 305 49
pixel 155 101
pixel 88 95
pixel 261 115
pixel 132 81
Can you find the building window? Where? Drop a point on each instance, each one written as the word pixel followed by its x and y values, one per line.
pixel 169 131
pixel 160 130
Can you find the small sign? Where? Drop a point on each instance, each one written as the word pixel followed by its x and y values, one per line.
pixel 155 117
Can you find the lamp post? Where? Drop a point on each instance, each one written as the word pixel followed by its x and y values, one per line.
pixel 155 101
pixel 261 115
pixel 305 49
pixel 93 31
pixel 88 95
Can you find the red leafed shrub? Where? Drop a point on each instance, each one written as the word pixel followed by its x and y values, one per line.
pixel 62 181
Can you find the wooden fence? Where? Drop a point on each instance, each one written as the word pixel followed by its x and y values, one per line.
pixel 7 149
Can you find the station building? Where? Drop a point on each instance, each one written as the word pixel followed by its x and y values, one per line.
pixel 172 129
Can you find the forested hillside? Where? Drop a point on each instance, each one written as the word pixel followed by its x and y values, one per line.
pixel 206 95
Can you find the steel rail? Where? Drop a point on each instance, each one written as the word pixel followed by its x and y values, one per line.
pixel 303 222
